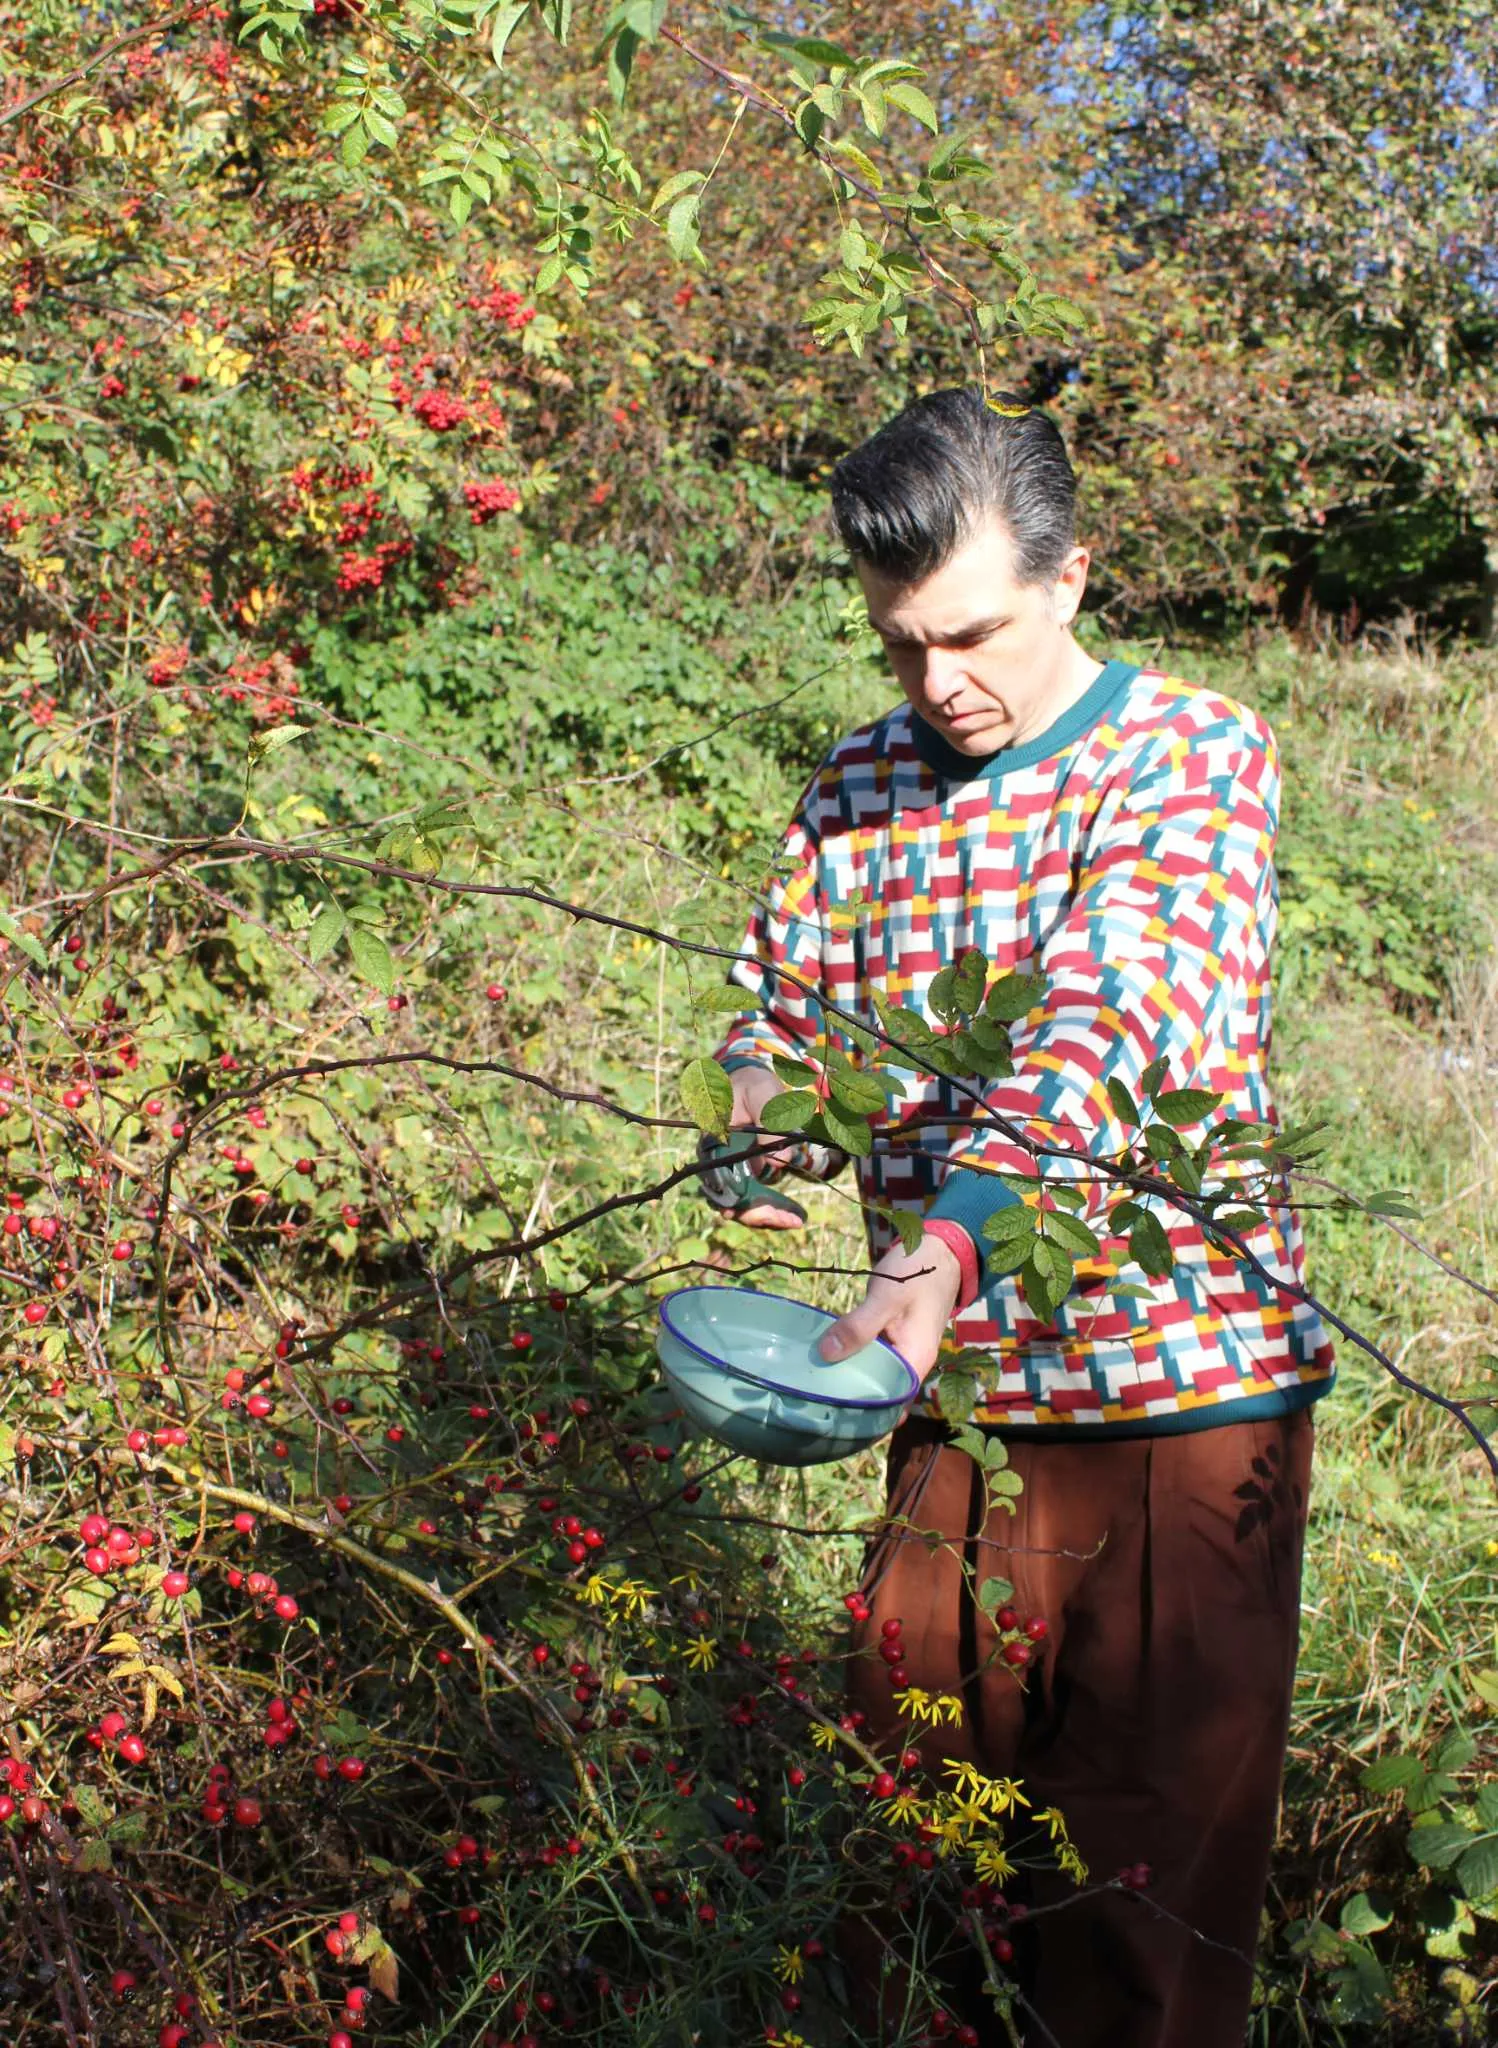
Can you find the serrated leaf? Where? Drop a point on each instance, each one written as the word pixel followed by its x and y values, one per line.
pixel 908 1227
pixel 914 102
pixel 1153 1075
pixel 355 146
pixel 1456 1753
pixel 673 187
pixel 794 1073
pixel 1361 1916
pixel 273 739
pixel 1391 1774
pixel 1161 1142
pixel 1125 1108
pixel 325 930
pixel 94 1856
pixel 621 59
pixel 941 996
pixel 1437 1845
pixel 956 1395
pixel 32 947
pixel 1485 1685
pixel 1391 1202
pixel 381 128
pixel 707 1094
pixel 995 1593
pixel 1072 1234
pixel 859 1094
pixel 120 1646
pixel 1477 1868
pixel 817 48
pixel 1014 997
pixel 1046 1278
pixel 372 961
pixel 1182 1107
pixel 508 17
pixel 1149 1247
pixel 682 226
pixel 791 1111
pixel 969 976
pixel 851 1134
pixel 1014 1221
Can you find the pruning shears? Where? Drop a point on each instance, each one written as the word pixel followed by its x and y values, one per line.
pixel 732 1184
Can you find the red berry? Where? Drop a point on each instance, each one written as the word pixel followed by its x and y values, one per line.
pixel 35 1312
pixel 352 1769
pixel 338 2039
pixel 691 1493
pixel 899 1678
pixel 1006 1618
pixel 175 1584
pixel 112 1725
pixel 122 1981
pixel 284 1607
pixel 123 1250
pixel 1016 1653
pixel 356 1998
pixel 244 1523
pixel 247 1813
pixel 305 1166
pixel 495 992
pixel 890 1629
pixel 522 1340
pixel 132 1749
pixel 278 1712
pixel 884 1785
pixel 334 1943
pixel 97 1561
pixel 1037 1628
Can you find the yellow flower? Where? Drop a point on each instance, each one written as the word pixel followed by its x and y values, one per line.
pixel 1054 1820
pixel 790 1965
pixel 917 1703
pixel 823 1735
pixel 632 1596
pixel 595 1589
pixel 970 1812
pixel 701 1653
pixel 991 1863
pixel 947 1832
pixel 905 1805
pixel 949 1703
pixel 1071 1863
pixel 1384 1557
pixel 1002 1795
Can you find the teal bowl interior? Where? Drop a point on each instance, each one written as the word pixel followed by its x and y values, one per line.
pixel 744 1366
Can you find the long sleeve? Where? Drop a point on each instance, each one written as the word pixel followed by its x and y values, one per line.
pixel 785 931
pixel 1164 940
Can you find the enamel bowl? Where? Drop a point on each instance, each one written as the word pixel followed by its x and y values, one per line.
pixel 744 1366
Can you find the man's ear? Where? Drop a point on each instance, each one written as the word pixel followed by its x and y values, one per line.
pixel 1067 592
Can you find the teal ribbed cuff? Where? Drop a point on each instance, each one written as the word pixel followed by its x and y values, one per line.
pixel 970 1199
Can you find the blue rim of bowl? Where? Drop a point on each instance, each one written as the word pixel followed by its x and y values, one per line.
pixel 755 1379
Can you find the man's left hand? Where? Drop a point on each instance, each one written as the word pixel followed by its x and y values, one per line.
pixel 910 1302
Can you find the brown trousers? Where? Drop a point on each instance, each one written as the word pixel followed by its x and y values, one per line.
pixel 1156 1716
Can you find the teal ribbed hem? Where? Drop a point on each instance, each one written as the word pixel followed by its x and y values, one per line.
pixel 1248 1408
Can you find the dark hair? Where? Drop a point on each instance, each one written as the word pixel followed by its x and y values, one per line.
pixel 916 491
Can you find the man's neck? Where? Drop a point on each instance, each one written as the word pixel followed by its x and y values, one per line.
pixel 1078 674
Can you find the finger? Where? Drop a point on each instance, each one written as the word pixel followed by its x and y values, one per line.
pixel 765 1217
pixel 851 1332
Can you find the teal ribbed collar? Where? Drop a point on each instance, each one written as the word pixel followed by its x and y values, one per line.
pixel 1100 696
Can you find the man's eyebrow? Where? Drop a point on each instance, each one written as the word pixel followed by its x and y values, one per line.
pixel 975 631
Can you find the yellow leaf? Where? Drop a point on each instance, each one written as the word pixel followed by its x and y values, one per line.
pixel 121 1646
pixel 133 1670
pixel 148 1714
pixel 169 1679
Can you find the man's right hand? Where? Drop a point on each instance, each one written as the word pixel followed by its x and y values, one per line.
pixel 752 1089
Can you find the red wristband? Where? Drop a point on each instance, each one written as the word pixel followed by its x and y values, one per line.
pixel 957 1241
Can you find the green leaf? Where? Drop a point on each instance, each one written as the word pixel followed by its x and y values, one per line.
pixel 273 739
pixel 851 1134
pixel 1161 1142
pixel 1046 1279
pixel 557 15
pixel 508 17
pixel 1392 1774
pixel 817 48
pixel 550 274
pixel 1008 1225
pixel 372 958
pixel 1477 1868
pixel 34 950
pixel 1438 1844
pixel 355 146
pixel 681 226
pixel 707 1094
pixel 1149 1247
pixel 1181 1107
pixel 1125 1108
pixel 941 996
pixel 1392 1202
pixel 794 1073
pixel 1004 1483
pixel 1015 996
pixel 728 999
pixel 1153 1075
pixel 1363 1915
pixel 1071 1234
pixel 864 165
pixel 460 204
pixel 994 1594
pixel 1456 1753
pixel 977 1058
pixel 914 102
pixel 325 930
pixel 967 981
pixel 908 1227
pixel 381 128
pixel 1183 1170
pixel 956 1394
pixel 673 187
pixel 621 59
pixel 792 1111
pixel 858 1093
pixel 1485 1685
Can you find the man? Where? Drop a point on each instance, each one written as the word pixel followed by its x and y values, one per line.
pixel 1111 829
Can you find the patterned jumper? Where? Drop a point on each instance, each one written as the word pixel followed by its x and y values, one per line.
pixel 1126 855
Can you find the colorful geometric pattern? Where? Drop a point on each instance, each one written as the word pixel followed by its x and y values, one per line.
pixel 1127 856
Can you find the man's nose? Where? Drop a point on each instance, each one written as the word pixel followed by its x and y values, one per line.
pixel 944 677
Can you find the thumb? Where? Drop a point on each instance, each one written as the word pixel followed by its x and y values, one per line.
pixel 850 1333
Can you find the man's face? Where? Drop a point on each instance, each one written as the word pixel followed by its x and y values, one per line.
pixel 987 661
